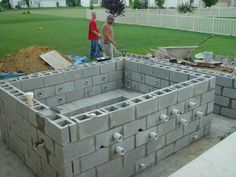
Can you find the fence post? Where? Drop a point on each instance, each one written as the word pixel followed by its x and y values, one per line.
pixel 193 23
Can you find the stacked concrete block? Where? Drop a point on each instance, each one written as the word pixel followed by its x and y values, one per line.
pixel 120 137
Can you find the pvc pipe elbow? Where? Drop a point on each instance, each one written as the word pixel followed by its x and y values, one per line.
pixel 175 112
pixel 192 104
pixel 142 165
pixel 117 137
pixel 195 137
pixel 199 114
pixel 119 150
pixel 164 117
pixel 183 122
pixel 153 135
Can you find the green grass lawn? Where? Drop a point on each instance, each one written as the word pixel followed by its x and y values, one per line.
pixel 69 35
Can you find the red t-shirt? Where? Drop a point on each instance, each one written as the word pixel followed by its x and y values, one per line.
pixel 93 27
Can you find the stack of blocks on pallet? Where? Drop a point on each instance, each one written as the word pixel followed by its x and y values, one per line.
pixel 116 140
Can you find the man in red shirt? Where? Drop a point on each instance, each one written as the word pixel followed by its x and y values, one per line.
pixel 93 36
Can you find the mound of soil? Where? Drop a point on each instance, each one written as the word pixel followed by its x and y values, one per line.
pixel 26 60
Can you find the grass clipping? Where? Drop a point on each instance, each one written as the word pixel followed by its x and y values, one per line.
pixel 26 60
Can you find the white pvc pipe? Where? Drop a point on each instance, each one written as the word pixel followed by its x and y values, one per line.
pixel 142 165
pixel 164 117
pixel 119 150
pixel 175 112
pixel 183 122
pixel 192 104
pixel 195 137
pixel 153 135
pixel 199 114
pixel 117 137
pixel 92 115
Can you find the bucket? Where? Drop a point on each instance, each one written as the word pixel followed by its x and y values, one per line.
pixel 29 98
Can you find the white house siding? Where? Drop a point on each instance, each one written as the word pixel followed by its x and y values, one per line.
pixel 86 3
pixel 35 3
pixel 174 3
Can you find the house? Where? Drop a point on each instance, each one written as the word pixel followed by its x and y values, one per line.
pixel 37 3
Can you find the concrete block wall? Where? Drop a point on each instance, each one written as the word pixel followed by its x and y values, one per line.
pixel 69 84
pixel 225 91
pixel 113 141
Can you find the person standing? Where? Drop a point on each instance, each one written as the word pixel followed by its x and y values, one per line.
pixel 108 35
pixel 93 36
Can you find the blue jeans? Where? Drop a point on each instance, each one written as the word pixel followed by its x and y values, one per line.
pixel 94 49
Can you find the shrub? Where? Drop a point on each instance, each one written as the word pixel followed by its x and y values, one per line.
pixel 185 7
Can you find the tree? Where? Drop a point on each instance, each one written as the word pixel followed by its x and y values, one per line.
pixel 209 3
pixel 185 7
pixel 159 4
pixel 5 4
pixel 114 7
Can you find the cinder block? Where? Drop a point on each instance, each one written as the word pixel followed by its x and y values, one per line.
pixel 130 65
pixel 65 87
pixel 58 129
pixel 134 85
pixel 223 101
pixel 164 152
pixel 116 75
pixel 204 121
pixel 105 139
pixel 94 159
pixel 48 142
pixel 47 169
pixel 218 90
pixel 127 74
pixel 56 100
pixel 228 112
pixel 45 92
pixel 212 82
pixel 76 166
pixel 153 81
pixel 139 77
pixel 143 136
pixel 153 146
pixel 91 70
pixel 119 64
pixel 53 79
pixel 191 127
pixel 231 93
pixel 83 83
pixel 201 108
pixel 100 79
pixel 127 84
pixel 199 133
pixel 196 100
pixel 166 126
pixel 224 80
pixel 32 83
pixel 154 119
pixel 127 171
pixel 134 127
pixel 134 155
pixel 107 169
pixel 208 96
pixel 64 169
pixel 148 161
pixel 207 129
pixel 73 151
pixel 75 95
pixel 200 87
pixel 179 106
pixel 125 113
pixel 145 88
pixel 89 126
pixel 149 104
pixel 233 104
pixel 164 83
pixel 178 76
pixel 186 92
pixel 216 109
pixel 15 82
pixel 161 72
pixel 73 74
pixel 181 143
pixel 127 144
pixel 174 135
pixel 109 86
pixel 89 173
pixel 91 91
pixel 167 97
pixel 145 68
pixel 108 66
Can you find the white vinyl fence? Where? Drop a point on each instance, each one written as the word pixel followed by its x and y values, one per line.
pixel 220 26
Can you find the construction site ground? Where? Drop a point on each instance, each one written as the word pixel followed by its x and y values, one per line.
pixel 221 127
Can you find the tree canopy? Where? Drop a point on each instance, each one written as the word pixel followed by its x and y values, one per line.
pixel 114 7
pixel 209 3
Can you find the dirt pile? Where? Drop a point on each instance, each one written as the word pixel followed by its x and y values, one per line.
pixel 26 60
